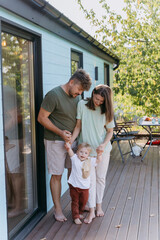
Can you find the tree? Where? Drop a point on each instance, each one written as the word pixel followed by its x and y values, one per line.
pixel 135 38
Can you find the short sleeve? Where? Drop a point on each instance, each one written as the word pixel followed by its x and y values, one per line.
pixel 110 124
pixel 74 158
pixel 79 110
pixel 49 102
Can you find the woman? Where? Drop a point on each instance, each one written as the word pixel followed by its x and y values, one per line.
pixel 94 117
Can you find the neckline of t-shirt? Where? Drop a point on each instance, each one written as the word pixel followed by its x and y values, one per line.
pixel 64 91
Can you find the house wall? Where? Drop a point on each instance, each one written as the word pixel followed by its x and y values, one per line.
pixel 56 63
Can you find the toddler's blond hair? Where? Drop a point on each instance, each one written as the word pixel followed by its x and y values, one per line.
pixel 84 145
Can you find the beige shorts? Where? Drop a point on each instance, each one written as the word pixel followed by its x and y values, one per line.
pixel 57 156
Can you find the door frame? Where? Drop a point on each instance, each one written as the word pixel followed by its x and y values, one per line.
pixel 18 30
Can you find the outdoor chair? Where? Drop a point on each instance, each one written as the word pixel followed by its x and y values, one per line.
pixel 125 128
pixel 120 134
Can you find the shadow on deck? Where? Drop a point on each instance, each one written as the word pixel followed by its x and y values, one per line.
pixel 131 204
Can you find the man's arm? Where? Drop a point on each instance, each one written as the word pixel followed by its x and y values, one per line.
pixel 45 122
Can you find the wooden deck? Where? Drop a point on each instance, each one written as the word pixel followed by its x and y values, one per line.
pixel 131 204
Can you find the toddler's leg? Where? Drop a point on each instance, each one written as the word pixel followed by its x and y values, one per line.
pixel 74 193
pixel 83 198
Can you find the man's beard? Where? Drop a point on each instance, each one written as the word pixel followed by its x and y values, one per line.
pixel 72 95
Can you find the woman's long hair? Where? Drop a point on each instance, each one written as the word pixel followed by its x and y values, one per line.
pixel 107 106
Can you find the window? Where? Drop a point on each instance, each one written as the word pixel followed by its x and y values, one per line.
pixel 76 61
pixel 106 74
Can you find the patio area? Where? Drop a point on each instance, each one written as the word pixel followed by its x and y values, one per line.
pixel 131 204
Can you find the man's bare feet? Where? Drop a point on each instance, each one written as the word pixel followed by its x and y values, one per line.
pixel 77 221
pixel 89 217
pixel 60 217
pixel 99 212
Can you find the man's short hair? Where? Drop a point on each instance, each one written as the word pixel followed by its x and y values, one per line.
pixel 80 76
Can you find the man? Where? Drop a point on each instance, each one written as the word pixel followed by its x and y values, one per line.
pixel 58 116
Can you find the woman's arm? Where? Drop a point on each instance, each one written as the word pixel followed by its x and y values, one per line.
pixel 101 147
pixel 76 130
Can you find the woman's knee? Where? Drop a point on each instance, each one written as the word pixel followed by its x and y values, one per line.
pixel 101 180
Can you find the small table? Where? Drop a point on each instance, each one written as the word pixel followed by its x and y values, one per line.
pixel 147 125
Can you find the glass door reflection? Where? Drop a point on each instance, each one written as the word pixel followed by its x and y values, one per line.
pixel 19 125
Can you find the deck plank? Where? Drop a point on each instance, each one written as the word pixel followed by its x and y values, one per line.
pixel 119 210
pixel 131 200
pixel 112 196
pixel 153 223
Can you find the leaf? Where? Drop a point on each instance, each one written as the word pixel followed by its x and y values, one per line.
pixel 118 226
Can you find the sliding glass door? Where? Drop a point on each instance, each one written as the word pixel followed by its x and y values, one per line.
pixel 19 129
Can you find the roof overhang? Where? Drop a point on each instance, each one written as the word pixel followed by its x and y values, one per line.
pixel 45 15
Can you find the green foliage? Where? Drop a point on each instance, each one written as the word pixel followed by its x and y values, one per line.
pixel 135 38
pixel 16 69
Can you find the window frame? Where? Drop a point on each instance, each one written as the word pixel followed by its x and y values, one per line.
pixel 80 54
pixel 20 31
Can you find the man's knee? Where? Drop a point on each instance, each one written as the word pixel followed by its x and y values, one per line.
pixel 56 178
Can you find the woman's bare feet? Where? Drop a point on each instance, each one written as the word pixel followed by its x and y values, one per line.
pixel 86 208
pixel 90 216
pixel 99 212
pixel 77 221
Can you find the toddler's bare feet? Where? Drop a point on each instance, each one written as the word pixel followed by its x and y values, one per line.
pixel 77 221
pixel 89 218
pixel 81 216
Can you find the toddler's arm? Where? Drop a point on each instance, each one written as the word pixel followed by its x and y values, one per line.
pixel 69 149
pixel 99 158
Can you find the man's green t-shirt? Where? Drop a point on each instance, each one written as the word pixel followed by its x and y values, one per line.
pixel 63 109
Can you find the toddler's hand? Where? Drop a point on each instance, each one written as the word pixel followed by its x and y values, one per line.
pixel 67 146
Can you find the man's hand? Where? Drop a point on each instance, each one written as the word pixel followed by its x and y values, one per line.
pixel 66 135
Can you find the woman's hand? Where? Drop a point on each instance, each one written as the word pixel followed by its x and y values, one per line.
pixel 100 149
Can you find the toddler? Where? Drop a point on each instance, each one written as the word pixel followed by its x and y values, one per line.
pixel 79 180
